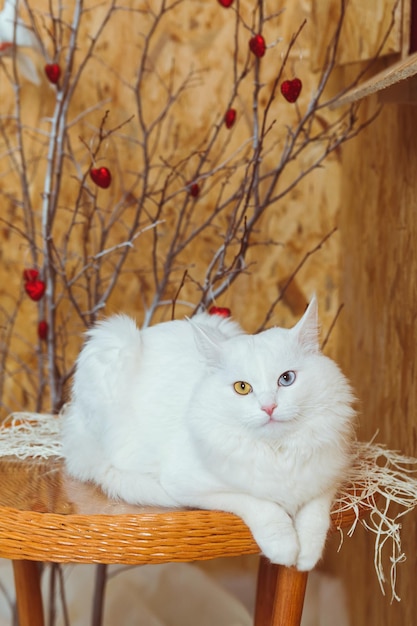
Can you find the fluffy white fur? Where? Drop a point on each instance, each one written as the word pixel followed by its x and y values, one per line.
pixel 155 419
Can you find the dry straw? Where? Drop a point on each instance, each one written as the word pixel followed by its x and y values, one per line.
pixel 30 435
pixel 383 481
pixel 380 480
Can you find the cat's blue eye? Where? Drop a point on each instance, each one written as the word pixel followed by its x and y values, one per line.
pixel 286 379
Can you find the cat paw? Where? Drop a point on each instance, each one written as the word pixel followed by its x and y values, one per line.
pixel 274 532
pixel 308 559
pixel 281 547
pixel 284 552
pixel 312 523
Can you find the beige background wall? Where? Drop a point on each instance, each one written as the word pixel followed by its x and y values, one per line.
pixel 377 346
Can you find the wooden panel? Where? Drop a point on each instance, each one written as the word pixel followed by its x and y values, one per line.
pixel 379 331
pixel 401 72
pixel 366 24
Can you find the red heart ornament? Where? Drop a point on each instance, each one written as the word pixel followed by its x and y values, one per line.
pixel 226 3
pixel 194 190
pixel 35 289
pixel 230 118
pixel 30 274
pixel 43 330
pixel 291 89
pixel 101 176
pixel 53 72
pixel 257 45
pixel 223 311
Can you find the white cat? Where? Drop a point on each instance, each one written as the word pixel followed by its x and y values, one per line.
pixel 198 413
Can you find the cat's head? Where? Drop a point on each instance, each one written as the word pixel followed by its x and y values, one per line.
pixel 275 382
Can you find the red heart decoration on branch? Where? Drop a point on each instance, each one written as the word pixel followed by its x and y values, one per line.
pixel 230 118
pixel 291 89
pixel 257 45
pixel 101 176
pixel 43 330
pixel 223 311
pixel 53 72
pixel 35 289
pixel 226 3
pixel 30 274
pixel 194 189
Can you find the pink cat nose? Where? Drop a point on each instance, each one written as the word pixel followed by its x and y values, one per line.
pixel 269 409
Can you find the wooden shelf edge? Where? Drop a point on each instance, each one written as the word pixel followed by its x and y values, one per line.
pixel 396 73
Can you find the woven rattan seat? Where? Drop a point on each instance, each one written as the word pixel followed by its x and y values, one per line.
pixel 45 516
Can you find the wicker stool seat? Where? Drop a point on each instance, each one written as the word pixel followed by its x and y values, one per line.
pixel 45 516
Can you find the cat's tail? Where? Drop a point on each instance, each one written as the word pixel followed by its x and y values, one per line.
pixel 114 338
pixel 104 376
pixel 118 332
pixel 110 356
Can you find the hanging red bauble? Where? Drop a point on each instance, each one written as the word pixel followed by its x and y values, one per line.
pixel 230 118
pixel 194 190
pixel 35 289
pixel 101 176
pixel 30 274
pixel 257 45
pixel 226 3
pixel 291 89
pixel 43 330
pixel 223 311
pixel 53 72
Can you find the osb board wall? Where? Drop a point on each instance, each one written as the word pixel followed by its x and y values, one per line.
pixel 196 35
pixel 364 29
pixel 378 335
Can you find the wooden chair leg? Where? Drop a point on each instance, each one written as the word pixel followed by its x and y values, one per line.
pixel 265 590
pixel 290 590
pixel 280 595
pixel 28 593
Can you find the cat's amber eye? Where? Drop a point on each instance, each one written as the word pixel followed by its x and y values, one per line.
pixel 286 379
pixel 242 388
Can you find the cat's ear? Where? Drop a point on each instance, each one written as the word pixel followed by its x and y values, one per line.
pixel 207 345
pixel 307 329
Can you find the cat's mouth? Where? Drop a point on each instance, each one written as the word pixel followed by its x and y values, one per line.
pixel 276 419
